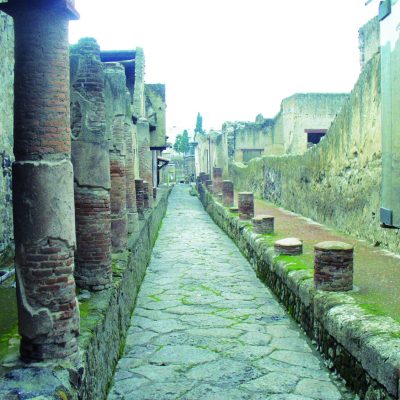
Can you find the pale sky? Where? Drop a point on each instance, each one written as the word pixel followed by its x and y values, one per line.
pixel 232 59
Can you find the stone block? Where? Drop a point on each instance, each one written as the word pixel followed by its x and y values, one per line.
pixel 289 246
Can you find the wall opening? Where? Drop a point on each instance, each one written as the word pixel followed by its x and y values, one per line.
pixel 314 136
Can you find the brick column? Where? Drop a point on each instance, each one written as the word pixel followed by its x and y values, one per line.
pixel 115 85
pixel 145 154
pixel 246 205
pixel 263 224
pixel 44 217
pixel 130 168
pixel 140 197
pixel 227 193
pixel 90 157
pixel 146 195
pixel 333 266
pixel 217 180
pixel 289 246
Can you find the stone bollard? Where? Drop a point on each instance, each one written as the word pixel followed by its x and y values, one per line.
pixel 210 188
pixel 289 246
pixel 217 180
pixel 333 266
pixel 263 224
pixel 246 205
pixel 146 197
pixel 227 193
pixel 219 197
pixel 139 197
pixel 208 184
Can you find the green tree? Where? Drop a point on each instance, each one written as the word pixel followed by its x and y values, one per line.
pixel 181 144
pixel 199 124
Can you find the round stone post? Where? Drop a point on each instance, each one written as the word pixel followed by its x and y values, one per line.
pixel 130 168
pixel 227 193
pixel 146 197
pixel 43 192
pixel 246 205
pixel 90 157
pixel 139 183
pixel 289 247
pixel 263 224
pixel 333 266
pixel 217 180
pixel 115 90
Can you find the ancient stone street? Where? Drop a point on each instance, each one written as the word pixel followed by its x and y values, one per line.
pixel 205 327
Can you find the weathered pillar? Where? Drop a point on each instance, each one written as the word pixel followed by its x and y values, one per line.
pixel 217 180
pixel 146 196
pixel 246 205
pixel 289 246
pixel 263 224
pixel 145 154
pixel 44 217
pixel 90 157
pixel 227 193
pixel 139 183
pixel 130 168
pixel 333 266
pixel 115 85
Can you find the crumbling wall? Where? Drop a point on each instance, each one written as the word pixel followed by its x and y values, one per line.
pixel 337 182
pixel 6 129
pixel 369 38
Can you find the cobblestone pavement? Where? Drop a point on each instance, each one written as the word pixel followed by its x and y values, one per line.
pixel 205 327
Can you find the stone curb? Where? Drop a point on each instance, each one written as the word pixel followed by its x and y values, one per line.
pixel 364 349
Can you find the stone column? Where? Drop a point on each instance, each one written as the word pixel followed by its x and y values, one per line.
pixel 289 246
pixel 44 217
pixel 227 193
pixel 333 266
pixel 90 157
pixel 145 154
pixel 146 195
pixel 217 180
pixel 246 205
pixel 130 168
pixel 263 224
pixel 115 85
pixel 139 183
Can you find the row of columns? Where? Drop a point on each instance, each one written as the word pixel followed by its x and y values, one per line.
pixel 67 218
pixel 333 261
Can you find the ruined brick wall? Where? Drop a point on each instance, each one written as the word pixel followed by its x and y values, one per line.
pixel 6 129
pixel 337 182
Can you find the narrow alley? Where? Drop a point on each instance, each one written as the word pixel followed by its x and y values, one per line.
pixel 204 326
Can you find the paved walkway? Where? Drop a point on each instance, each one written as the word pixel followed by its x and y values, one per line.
pixel 205 327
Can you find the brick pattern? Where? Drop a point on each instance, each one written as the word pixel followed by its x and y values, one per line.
pixel 42 70
pixel 140 196
pixel 92 203
pixel 246 205
pixel 47 275
pixel 217 180
pixel 227 193
pixel 93 228
pixel 333 267
pixel 130 175
pixel 47 308
pixel 119 217
pixel 263 224
pixel 288 247
pixel 146 195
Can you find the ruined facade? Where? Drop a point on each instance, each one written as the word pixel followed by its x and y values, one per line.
pixel 76 146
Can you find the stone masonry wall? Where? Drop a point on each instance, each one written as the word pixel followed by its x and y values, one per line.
pixel 6 129
pixel 362 349
pixel 337 182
